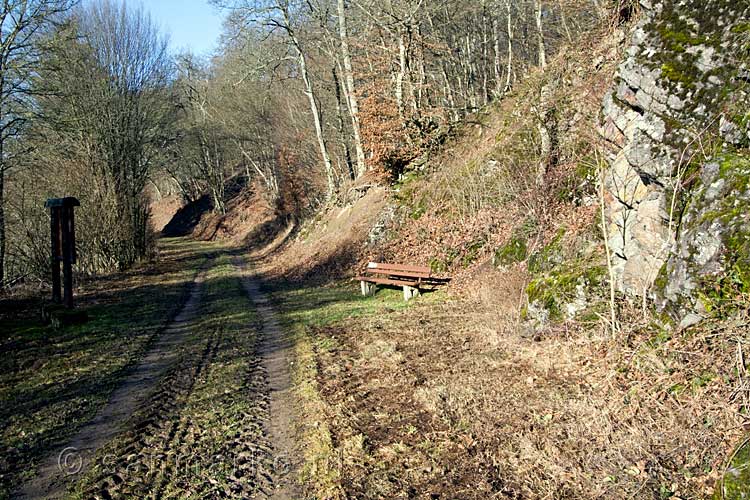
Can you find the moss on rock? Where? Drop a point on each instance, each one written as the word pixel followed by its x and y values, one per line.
pixel 550 256
pixel 677 74
pixel 709 272
pixel 557 290
pixel 568 274
pixel 515 250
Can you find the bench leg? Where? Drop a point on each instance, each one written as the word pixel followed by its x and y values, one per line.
pixel 410 292
pixel 368 289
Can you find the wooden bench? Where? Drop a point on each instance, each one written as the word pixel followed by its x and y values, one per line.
pixel 411 278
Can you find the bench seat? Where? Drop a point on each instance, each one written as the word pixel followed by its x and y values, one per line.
pixel 387 281
pixel 411 278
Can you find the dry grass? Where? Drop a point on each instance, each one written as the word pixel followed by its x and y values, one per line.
pixel 329 246
pixel 447 398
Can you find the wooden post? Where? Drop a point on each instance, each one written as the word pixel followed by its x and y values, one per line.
pixel 62 225
pixel 56 254
pixel 67 246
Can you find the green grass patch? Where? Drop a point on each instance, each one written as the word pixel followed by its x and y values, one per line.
pixel 735 484
pixel 328 305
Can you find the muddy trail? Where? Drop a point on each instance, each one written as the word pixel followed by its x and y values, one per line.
pixel 275 350
pixel 206 413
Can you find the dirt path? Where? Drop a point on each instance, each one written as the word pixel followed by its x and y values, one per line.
pixel 207 412
pixel 64 465
pixel 221 423
pixel 275 348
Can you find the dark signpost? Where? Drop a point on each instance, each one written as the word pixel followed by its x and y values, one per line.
pixel 62 223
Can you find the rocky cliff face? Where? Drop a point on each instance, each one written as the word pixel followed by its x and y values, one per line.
pixel 709 270
pixel 677 122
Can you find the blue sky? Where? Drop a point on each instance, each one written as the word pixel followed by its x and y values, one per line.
pixel 192 24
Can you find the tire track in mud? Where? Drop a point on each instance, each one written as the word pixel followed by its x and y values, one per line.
pixel 206 414
pixel 275 351
pixel 55 476
pixel 180 445
pixel 143 461
pixel 179 429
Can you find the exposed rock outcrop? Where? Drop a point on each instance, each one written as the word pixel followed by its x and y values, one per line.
pixel 680 97
pixel 710 267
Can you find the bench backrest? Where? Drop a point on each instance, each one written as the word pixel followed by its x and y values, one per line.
pixel 399 270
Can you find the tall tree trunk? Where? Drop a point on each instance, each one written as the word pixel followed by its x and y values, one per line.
pixel 350 94
pixel 497 62
pixel 421 89
pixel 471 75
pixel 310 92
pixel 540 33
pixel 449 94
pixel 564 21
pixel 401 75
pixel 268 173
pixel 337 85
pixel 485 57
pixel 210 168
pixel 409 77
pixel 509 68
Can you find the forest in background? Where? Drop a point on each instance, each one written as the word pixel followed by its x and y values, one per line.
pixel 303 99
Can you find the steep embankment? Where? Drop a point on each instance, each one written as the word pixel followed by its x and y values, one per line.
pixel 248 218
pixel 327 246
pixel 523 168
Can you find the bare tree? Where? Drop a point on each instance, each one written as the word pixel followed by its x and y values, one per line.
pixel 22 22
pixel 351 94
pixel 509 26
pixel 540 33
pixel 125 110
pixel 203 142
pixel 281 15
